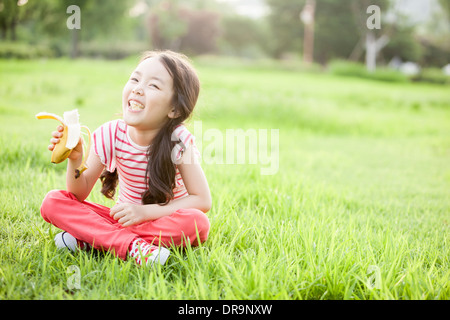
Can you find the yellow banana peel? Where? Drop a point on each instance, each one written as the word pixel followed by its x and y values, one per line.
pixel 70 138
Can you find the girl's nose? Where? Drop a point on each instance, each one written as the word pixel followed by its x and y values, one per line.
pixel 137 90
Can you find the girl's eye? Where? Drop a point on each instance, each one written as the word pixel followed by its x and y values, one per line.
pixel 153 85
pixel 134 79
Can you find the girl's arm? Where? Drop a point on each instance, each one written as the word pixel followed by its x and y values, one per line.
pixel 82 186
pixel 199 197
pixel 197 187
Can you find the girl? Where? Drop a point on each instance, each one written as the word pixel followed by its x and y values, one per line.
pixel 163 192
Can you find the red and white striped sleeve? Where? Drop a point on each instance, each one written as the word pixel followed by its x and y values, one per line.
pixel 185 140
pixel 104 144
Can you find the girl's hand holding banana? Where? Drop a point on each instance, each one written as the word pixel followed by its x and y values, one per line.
pixel 57 135
pixel 67 141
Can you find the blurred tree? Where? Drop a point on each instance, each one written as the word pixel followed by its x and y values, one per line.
pixel 9 16
pixel 338 27
pixel 374 39
pixel 403 44
pixel 166 25
pixel 202 31
pixel 75 33
pixel 433 55
pixel 99 18
pixel 336 31
pixel 445 4
pixel 242 35
pixel 434 38
pixel 183 28
pixel 286 29
pixel 307 15
pixel 12 13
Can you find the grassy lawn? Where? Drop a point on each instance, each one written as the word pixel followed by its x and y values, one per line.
pixel 359 207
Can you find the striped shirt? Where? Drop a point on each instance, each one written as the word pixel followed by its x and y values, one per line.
pixel 117 151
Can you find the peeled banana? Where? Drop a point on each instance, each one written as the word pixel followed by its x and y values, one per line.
pixel 69 139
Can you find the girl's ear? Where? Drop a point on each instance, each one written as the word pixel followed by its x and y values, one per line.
pixel 173 114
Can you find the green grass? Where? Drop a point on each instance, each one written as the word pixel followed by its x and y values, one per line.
pixel 363 180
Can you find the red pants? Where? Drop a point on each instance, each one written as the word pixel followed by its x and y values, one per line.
pixel 91 222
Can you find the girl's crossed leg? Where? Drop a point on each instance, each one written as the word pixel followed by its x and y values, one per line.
pixel 91 223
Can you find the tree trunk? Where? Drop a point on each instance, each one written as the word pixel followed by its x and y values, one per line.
pixel 371 53
pixel 373 47
pixel 75 44
pixel 3 31
pixel 13 30
pixel 307 16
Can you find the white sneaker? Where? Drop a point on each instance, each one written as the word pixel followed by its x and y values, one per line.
pixel 160 255
pixel 143 251
pixel 65 240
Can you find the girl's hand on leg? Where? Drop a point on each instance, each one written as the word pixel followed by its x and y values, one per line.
pixel 127 214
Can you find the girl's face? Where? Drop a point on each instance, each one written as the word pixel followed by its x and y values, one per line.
pixel 147 96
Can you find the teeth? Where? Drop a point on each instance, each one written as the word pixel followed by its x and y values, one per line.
pixel 134 105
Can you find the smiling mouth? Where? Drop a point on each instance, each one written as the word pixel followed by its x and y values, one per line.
pixel 133 105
